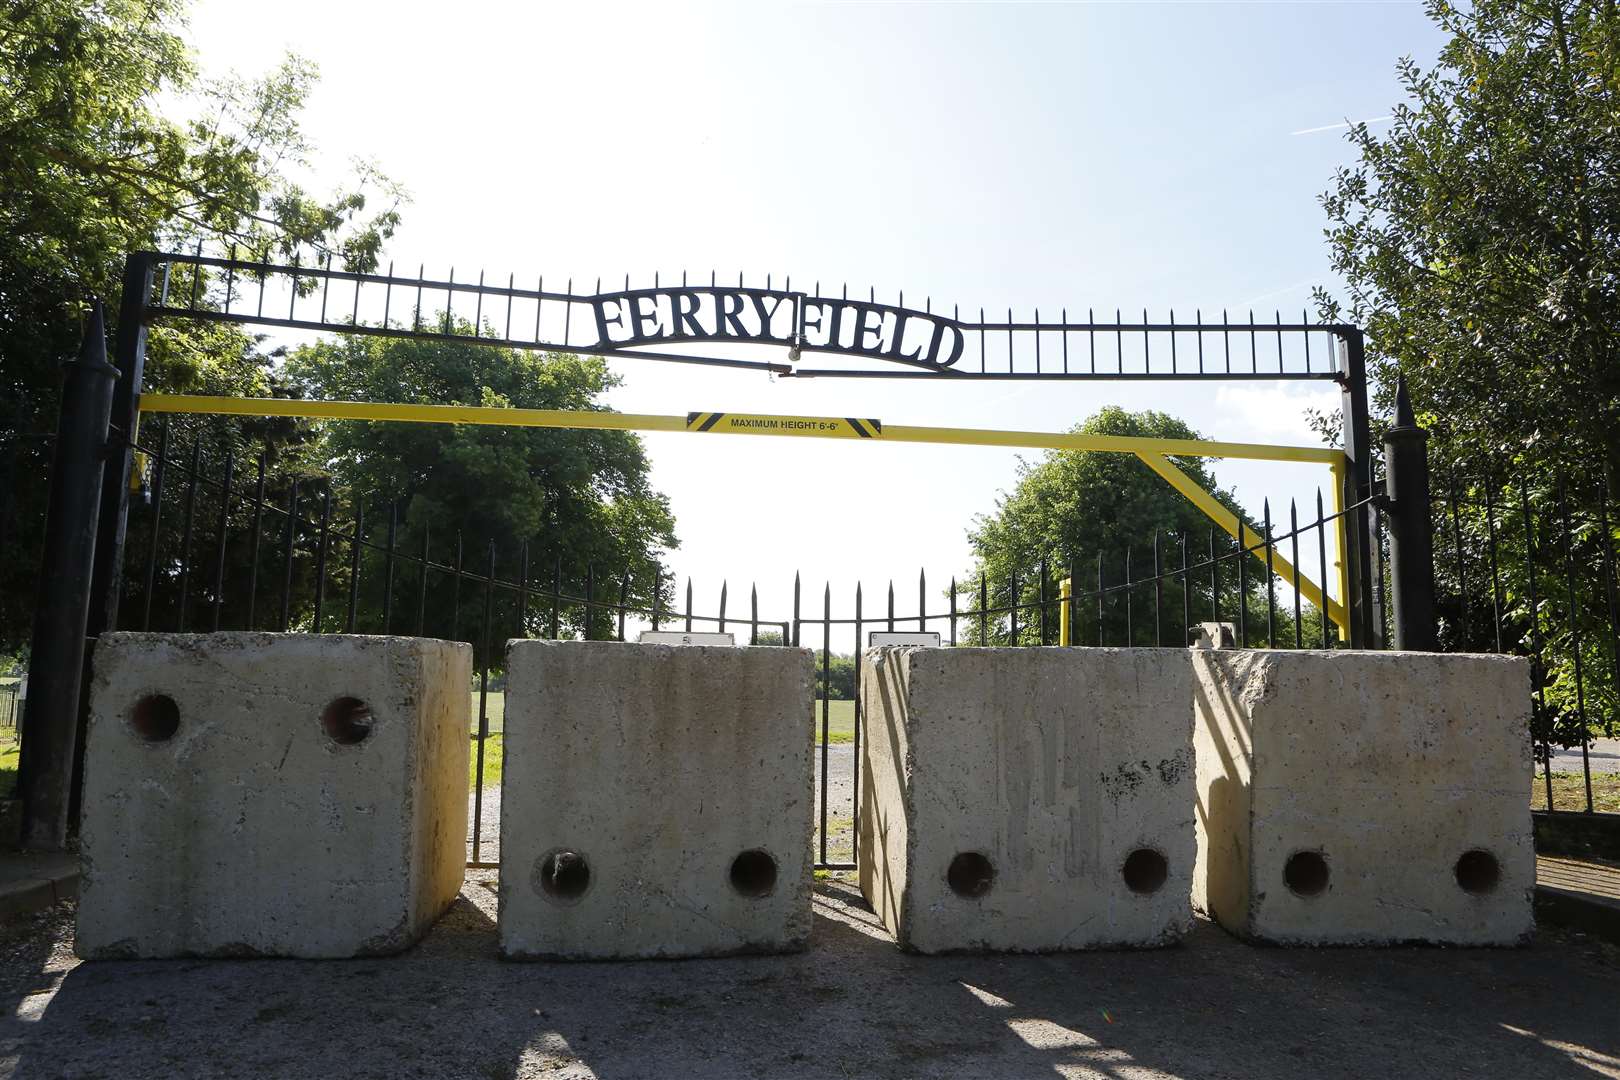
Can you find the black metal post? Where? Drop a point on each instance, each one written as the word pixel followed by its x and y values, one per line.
pixel 1411 543
pixel 118 461
pixel 1359 486
pixel 129 353
pixel 50 736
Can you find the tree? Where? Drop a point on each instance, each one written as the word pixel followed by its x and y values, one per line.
pixel 839 684
pixel 1476 242
pixel 90 170
pixel 577 498
pixel 1074 507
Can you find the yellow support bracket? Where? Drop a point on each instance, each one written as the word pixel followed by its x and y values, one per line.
pixel 1251 539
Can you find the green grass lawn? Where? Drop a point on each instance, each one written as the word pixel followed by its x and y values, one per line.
pixel 8 762
pixel 494 757
pixel 1569 792
pixel 495 707
pixel 840 722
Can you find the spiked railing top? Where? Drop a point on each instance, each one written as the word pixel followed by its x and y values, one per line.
pixel 647 322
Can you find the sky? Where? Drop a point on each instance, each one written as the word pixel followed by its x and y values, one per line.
pixel 1023 155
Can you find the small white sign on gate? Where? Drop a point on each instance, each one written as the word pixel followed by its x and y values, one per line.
pixel 892 637
pixel 688 637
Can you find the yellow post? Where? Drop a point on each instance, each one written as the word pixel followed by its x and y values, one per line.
pixel 1341 550
pixel 1066 593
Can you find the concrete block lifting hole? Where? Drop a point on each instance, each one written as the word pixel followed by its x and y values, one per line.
pixel 1350 798
pixel 253 794
pixel 1027 800
pixel 656 800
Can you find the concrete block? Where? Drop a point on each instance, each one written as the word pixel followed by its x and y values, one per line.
pixel 1364 797
pixel 1027 800
pixel 254 794
pixel 656 800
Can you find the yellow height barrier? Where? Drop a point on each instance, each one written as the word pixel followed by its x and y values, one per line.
pixel 1156 453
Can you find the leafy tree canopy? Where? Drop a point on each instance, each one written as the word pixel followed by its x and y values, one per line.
pixel 1076 503
pixel 1477 241
pixel 91 169
pixel 1073 506
pixel 579 496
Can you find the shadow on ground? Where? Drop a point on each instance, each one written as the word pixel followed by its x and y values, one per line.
pixel 851 1007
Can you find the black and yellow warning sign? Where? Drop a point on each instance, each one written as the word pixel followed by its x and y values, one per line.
pixel 826 427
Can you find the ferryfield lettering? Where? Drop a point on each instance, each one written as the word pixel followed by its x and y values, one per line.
pixel 711 313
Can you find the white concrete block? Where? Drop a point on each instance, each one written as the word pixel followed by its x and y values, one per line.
pixel 1364 797
pixel 254 794
pixel 656 800
pixel 1027 799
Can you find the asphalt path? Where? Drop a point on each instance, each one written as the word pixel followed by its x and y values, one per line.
pixel 1603 753
pixel 850 1007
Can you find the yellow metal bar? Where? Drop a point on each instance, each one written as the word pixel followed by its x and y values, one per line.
pixel 410 414
pixel 1066 595
pixel 1341 549
pixel 1245 535
pixel 1155 452
pixel 1115 444
pixel 560 418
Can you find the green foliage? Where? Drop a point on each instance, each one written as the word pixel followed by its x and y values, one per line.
pixel 837 683
pixel 1518 570
pixel 91 170
pixel 576 497
pixel 1476 241
pixel 1071 508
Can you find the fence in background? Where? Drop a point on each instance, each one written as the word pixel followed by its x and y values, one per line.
pixel 1523 565
pixel 12 703
pixel 1527 564
pixel 218 544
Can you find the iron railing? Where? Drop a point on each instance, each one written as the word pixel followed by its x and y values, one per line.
pixel 315 296
pixel 217 544
pixel 12 702
pixel 1527 564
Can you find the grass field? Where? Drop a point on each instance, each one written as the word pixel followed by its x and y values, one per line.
pixel 8 762
pixel 840 722
pixel 494 758
pixel 1569 792
pixel 495 707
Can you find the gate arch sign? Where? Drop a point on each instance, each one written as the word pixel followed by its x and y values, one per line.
pixel 664 323
pixel 708 314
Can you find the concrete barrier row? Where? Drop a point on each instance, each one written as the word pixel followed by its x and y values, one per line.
pixel 289 795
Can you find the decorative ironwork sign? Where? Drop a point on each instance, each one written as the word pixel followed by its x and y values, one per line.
pixel 666 322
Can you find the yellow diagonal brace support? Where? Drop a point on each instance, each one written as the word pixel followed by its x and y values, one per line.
pixel 1245 535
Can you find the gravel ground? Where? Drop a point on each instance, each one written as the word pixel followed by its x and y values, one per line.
pixel 852 1006
pixel 489 827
